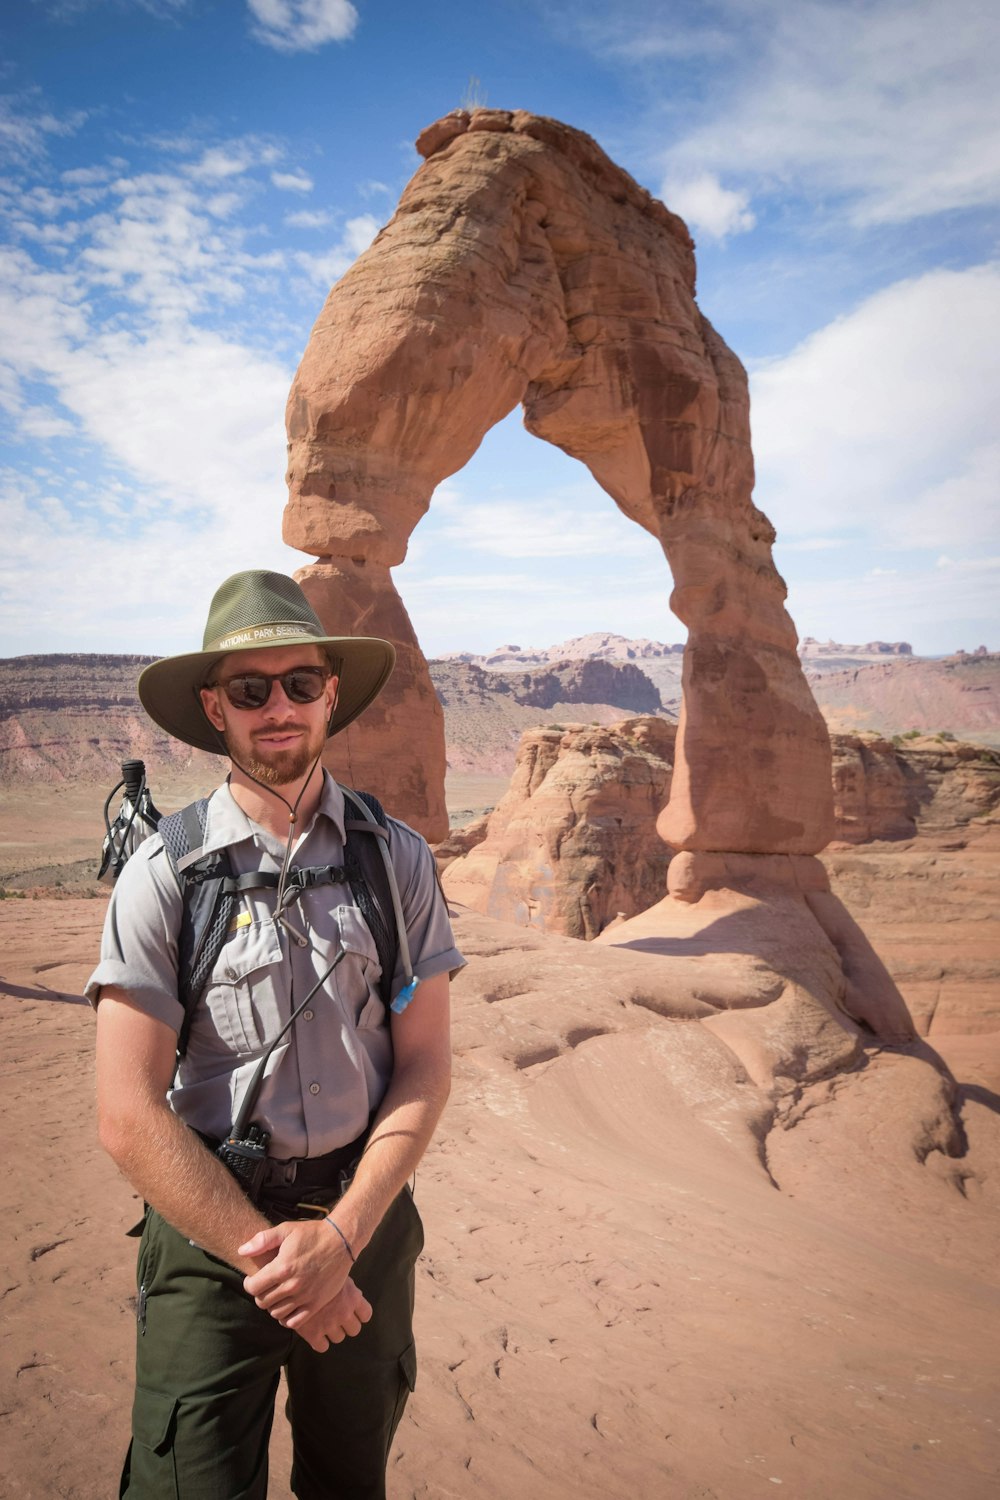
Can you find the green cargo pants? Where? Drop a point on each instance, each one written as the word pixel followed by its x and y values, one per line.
pixel 207 1367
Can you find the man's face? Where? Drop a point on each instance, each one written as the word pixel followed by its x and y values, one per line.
pixel 279 742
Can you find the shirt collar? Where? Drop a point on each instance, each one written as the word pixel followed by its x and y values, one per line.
pixel 228 824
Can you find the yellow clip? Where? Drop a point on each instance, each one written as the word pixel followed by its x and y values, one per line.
pixel 243 920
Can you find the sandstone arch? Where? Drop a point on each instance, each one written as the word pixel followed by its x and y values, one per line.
pixel 522 265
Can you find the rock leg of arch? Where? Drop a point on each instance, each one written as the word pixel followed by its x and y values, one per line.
pixel 522 265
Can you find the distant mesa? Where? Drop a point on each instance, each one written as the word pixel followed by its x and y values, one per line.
pixel 73 716
pixel 597 645
pixel 809 646
pixel 589 681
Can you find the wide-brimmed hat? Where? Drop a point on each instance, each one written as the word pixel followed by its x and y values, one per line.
pixel 252 611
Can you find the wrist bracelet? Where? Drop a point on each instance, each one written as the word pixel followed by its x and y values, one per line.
pixel 334 1225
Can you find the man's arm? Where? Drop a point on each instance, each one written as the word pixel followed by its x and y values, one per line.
pixel 311 1259
pixel 164 1160
pixel 168 1164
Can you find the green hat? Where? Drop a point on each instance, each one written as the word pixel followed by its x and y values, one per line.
pixel 250 611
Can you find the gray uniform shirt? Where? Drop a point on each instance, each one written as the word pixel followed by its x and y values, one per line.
pixel 327 1076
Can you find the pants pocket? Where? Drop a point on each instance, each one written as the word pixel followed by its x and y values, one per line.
pixel 407 1385
pixel 149 1465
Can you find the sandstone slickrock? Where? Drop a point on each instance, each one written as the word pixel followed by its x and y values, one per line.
pixel 522 265
pixel 574 840
pixel 797 983
pixel 806 1280
pixel 884 790
pixel 570 787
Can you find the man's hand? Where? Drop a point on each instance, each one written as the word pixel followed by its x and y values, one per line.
pixel 342 1318
pixel 309 1263
pixel 307 1267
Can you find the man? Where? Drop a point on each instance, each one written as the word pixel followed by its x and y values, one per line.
pixel 231 1291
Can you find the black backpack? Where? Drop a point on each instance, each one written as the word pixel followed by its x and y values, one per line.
pixel 210 890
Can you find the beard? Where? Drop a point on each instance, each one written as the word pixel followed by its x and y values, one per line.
pixel 280 767
pixel 284 766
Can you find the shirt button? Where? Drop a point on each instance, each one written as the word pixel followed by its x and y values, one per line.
pixel 307 1015
pixel 230 973
pixel 314 1088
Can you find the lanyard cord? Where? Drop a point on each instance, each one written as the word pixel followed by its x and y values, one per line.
pixel 250 1097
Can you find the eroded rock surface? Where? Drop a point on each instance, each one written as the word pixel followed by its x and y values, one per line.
pixel 574 842
pixel 575 791
pixel 523 266
pixel 806 1277
pixel 891 790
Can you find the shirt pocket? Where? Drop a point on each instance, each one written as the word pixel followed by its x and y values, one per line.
pixel 359 974
pixel 243 991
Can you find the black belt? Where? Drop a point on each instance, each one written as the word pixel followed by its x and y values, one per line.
pixel 307 1187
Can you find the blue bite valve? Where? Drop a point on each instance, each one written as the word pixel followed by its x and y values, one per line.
pixel 404 997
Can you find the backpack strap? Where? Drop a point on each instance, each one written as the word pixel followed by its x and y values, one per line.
pixel 208 904
pixel 210 890
pixel 375 821
pixel 369 875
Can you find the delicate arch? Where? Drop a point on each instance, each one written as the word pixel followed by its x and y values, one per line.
pixel 522 265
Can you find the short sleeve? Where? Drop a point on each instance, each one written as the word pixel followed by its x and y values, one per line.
pixel 428 926
pixel 139 942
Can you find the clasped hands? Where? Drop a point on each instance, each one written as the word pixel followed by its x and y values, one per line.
pixel 304 1282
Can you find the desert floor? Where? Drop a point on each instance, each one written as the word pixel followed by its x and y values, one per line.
pixel 625 1291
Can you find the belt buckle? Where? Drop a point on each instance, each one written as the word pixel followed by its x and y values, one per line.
pixel 314 1208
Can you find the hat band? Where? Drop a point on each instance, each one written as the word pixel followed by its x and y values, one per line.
pixel 259 634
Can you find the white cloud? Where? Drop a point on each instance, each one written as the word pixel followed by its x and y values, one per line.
pixel 884 103
pixel 158 248
pixel 302 25
pixel 460 610
pixel 24 131
pixel 178 427
pixel 327 266
pixel 220 162
pixel 939 608
pixel 814 544
pixel 307 218
pixel 549 526
pixel 884 422
pixel 68 9
pixel 707 207
pixel 292 182
pixel 41 422
pixel 115 588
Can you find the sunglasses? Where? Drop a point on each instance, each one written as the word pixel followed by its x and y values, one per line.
pixel 253 689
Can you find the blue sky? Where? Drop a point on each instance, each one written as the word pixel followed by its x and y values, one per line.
pixel 182 180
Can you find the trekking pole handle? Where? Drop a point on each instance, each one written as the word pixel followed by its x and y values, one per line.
pixel 134 777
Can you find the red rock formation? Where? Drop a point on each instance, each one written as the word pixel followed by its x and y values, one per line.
pixel 574 842
pixel 579 815
pixel 884 790
pixel 871 797
pixel 523 266
pixel 571 849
